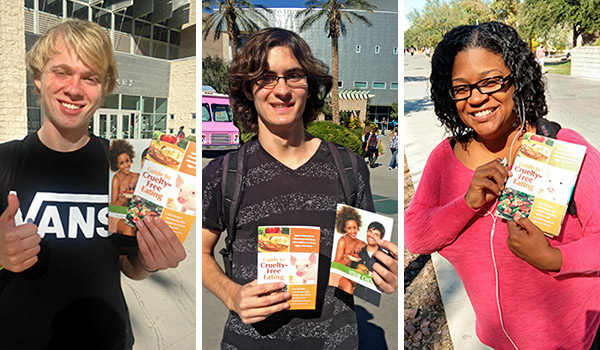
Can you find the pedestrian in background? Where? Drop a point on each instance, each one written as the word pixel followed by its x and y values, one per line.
pixel 394 148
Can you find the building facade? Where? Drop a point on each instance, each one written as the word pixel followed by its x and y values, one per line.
pixel 368 55
pixel 152 40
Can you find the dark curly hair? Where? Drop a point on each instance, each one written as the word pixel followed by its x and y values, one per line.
pixel 118 147
pixel 251 63
pixel 344 214
pixel 518 58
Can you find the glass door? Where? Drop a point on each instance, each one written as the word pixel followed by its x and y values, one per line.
pixel 115 124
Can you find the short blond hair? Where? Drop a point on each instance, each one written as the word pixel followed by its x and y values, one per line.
pixel 88 41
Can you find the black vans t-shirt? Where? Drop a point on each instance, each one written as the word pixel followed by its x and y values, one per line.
pixel 72 295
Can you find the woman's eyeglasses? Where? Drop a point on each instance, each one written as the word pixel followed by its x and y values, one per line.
pixel 486 86
pixel 294 80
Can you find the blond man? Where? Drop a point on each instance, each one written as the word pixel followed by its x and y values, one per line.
pixel 60 279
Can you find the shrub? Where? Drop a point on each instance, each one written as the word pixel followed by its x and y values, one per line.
pixel 337 134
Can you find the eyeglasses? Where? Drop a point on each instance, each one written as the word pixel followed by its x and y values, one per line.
pixel 294 80
pixel 486 86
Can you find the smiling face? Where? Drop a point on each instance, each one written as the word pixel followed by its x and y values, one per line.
pixel 373 235
pixel 351 228
pixel 491 116
pixel 124 163
pixel 281 107
pixel 70 91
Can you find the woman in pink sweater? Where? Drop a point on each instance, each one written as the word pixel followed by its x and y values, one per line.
pixel 528 291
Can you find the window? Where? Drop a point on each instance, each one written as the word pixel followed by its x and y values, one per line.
pixel 148 103
pixel 172 116
pixel 360 85
pixel 193 131
pixel 130 102
pixel 171 131
pixel 111 101
pixel 222 113
pixel 378 85
pixel 205 113
pixel 377 49
pixel 394 86
pixel 340 84
pixel 161 105
pixel 194 115
pixel 395 50
pixel 357 48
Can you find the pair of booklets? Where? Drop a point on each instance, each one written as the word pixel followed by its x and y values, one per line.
pixel 154 177
pixel 290 254
pixel 543 177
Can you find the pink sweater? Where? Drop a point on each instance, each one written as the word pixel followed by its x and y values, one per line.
pixel 541 310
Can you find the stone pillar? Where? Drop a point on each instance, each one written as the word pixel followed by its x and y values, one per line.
pixel 13 74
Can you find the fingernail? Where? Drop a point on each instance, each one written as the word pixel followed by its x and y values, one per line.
pixel 517 216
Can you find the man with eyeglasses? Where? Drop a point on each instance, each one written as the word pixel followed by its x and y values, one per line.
pixel 276 89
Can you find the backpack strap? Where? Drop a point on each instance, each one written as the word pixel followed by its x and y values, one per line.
pixel 231 185
pixel 547 128
pixel 347 169
pixel 550 129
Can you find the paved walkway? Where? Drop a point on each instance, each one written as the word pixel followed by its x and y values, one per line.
pixel 378 326
pixel 571 102
pixel 163 306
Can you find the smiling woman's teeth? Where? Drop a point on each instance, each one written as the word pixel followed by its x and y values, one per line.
pixel 483 113
pixel 70 106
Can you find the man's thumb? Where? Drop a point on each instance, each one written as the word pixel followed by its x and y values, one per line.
pixel 8 217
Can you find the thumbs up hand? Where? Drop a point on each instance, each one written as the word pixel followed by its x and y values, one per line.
pixel 19 245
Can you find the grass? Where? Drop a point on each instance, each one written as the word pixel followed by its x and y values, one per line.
pixel 559 68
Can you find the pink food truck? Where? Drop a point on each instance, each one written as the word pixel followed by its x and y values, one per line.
pixel 218 131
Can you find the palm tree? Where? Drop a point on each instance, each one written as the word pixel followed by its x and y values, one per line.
pixel 235 16
pixel 336 12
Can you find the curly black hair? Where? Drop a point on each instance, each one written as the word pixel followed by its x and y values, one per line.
pixel 251 63
pixel 344 214
pixel 118 147
pixel 518 58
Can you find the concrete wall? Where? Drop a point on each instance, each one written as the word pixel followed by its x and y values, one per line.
pixel 182 95
pixel 585 62
pixel 13 78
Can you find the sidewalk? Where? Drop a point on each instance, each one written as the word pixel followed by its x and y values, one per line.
pixel 163 306
pixel 571 103
pixel 378 326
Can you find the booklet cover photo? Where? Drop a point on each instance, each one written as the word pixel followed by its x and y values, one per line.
pixel 290 254
pixel 355 243
pixel 543 177
pixel 152 177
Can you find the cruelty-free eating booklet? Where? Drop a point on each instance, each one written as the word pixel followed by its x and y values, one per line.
pixel 354 246
pixel 290 254
pixel 543 177
pixel 161 181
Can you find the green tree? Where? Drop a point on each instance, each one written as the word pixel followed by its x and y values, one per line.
pixel 505 11
pixel 234 17
pixel 334 11
pixel 214 73
pixel 437 18
pixel 537 17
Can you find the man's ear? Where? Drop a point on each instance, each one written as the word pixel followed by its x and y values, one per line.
pixel 38 82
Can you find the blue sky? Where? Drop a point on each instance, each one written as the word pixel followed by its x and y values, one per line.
pixel 280 3
pixel 409 6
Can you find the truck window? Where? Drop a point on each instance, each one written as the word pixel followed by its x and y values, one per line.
pixel 222 113
pixel 205 113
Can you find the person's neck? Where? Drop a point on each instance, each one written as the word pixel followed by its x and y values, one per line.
pixel 372 249
pixel 500 147
pixel 63 140
pixel 292 147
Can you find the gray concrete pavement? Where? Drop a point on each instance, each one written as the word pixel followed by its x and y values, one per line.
pixel 378 326
pixel 163 306
pixel 571 102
